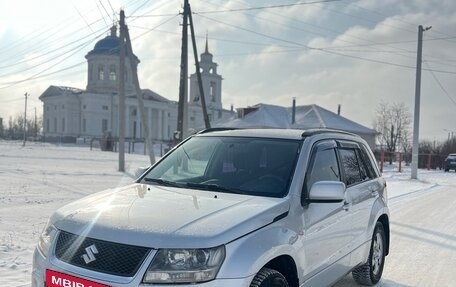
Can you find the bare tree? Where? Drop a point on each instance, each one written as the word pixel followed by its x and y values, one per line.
pixel 16 127
pixel 393 123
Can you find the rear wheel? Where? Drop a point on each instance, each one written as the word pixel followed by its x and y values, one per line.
pixel 370 272
pixel 269 278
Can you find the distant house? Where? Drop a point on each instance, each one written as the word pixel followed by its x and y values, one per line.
pixel 306 117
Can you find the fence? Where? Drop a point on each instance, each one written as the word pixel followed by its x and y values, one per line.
pixel 131 146
pixel 427 160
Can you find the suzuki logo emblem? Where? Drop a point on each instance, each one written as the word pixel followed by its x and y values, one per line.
pixel 89 256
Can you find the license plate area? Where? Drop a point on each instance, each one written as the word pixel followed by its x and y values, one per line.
pixel 58 279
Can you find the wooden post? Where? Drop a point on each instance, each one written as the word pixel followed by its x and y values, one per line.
pixel 400 162
pixel 382 160
pixel 429 161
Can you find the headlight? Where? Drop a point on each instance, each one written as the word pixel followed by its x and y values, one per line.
pixel 185 265
pixel 46 238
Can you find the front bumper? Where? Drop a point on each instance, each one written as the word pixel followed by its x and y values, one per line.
pixel 40 264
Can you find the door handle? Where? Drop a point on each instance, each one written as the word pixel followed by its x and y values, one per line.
pixel 373 191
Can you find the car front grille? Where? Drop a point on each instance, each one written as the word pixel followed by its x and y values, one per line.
pixel 99 255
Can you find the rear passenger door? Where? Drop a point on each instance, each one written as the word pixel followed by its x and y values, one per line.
pixel 360 178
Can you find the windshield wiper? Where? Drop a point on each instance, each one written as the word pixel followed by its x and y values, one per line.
pixel 213 187
pixel 162 182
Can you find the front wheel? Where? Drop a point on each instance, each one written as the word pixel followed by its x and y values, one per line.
pixel 269 278
pixel 370 272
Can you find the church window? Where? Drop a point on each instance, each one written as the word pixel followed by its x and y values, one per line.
pixel 112 73
pixel 84 124
pixel 55 125
pixel 133 112
pixel 47 108
pixel 105 108
pixel 84 107
pixel 104 125
pixel 63 107
pixel 63 125
pixel 47 125
pixel 100 73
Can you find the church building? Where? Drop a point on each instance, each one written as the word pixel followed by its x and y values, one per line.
pixel 70 113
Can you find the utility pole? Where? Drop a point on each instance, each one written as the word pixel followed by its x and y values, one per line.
pixel 121 78
pixel 142 112
pixel 198 71
pixel 25 119
pixel 181 114
pixel 36 125
pixel 416 120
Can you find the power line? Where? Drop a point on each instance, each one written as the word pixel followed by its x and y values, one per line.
pixel 113 11
pixel 322 50
pixel 323 28
pixel 440 84
pixel 83 18
pixel 35 76
pixel 106 11
pixel 447 38
pixel 46 61
pixel 267 7
pixel 155 27
pixel 51 51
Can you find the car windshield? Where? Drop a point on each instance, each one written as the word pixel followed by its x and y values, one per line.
pixel 254 166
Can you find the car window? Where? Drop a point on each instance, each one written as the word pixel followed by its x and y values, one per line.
pixel 324 166
pixel 256 166
pixel 371 170
pixel 350 166
pixel 362 166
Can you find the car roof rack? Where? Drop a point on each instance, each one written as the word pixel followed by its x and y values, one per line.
pixel 209 130
pixel 311 132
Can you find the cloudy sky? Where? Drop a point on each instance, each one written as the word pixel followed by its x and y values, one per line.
pixel 353 53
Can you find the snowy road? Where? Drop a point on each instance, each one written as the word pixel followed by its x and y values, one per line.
pixel 423 240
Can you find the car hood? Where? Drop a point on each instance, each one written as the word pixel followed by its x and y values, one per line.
pixel 167 217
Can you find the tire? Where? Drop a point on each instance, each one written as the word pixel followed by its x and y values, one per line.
pixel 269 278
pixel 370 272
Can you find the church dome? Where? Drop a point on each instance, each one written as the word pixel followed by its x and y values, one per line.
pixel 110 45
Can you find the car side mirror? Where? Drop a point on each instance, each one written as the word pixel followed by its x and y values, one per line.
pixel 140 171
pixel 327 191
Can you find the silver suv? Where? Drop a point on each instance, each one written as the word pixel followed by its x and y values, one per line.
pixel 228 208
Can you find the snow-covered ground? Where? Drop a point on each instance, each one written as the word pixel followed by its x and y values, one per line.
pixel 39 178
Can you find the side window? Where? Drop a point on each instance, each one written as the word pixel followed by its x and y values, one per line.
pixel 362 166
pixel 350 166
pixel 323 167
pixel 369 166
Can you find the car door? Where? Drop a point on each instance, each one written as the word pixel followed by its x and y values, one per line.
pixel 326 224
pixel 362 188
